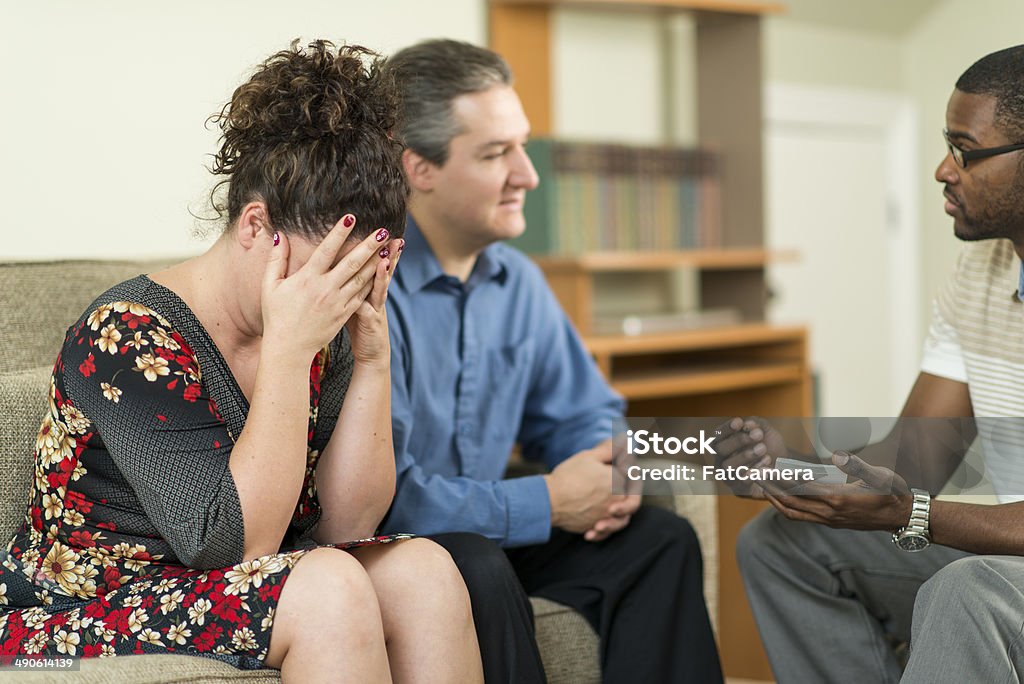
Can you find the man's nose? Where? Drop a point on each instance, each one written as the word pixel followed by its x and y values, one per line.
pixel 947 171
pixel 523 173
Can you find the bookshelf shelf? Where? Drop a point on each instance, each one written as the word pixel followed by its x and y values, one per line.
pixel 704 259
pixel 693 5
pixel 655 384
pixel 747 335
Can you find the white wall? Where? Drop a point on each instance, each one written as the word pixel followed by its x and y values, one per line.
pixel 814 54
pixel 104 103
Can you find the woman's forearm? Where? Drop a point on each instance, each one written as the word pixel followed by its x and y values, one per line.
pixel 355 476
pixel 269 458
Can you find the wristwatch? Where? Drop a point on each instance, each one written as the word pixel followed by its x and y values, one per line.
pixel 915 535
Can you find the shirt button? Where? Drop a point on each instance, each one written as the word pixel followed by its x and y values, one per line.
pixel 465 430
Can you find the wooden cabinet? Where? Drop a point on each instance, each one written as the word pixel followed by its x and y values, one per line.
pixel 750 368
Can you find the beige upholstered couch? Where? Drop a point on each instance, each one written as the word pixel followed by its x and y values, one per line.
pixel 39 301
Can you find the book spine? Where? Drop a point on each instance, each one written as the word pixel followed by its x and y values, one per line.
pixel 540 209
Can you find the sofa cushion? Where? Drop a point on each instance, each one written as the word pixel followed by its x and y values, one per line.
pixel 22 407
pixel 568 644
pixel 41 300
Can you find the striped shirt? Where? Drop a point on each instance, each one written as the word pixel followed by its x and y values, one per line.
pixel 977 337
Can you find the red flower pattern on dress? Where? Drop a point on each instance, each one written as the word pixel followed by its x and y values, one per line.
pixel 88 367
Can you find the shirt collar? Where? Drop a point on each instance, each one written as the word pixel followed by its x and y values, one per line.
pixel 419 266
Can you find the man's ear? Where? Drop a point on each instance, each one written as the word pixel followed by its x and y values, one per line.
pixel 254 220
pixel 422 173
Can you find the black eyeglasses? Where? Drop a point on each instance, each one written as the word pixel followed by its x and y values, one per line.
pixel 961 157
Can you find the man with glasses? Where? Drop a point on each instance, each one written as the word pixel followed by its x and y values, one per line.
pixel 829 576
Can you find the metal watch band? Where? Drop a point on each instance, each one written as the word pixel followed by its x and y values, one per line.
pixel 915 535
pixel 920 511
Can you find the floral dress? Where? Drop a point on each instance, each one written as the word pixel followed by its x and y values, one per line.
pixel 133 537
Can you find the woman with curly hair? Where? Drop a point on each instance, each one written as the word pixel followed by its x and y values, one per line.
pixel 219 432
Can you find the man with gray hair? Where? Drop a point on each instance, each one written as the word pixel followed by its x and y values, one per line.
pixel 483 357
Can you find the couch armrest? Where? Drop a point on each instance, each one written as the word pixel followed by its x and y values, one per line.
pixel 702 512
pixel 22 407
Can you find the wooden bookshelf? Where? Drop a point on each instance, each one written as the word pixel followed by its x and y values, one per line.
pixel 747 369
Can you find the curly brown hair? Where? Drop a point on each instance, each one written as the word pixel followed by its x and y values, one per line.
pixel 310 135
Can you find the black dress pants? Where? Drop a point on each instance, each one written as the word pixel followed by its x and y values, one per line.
pixel 501 610
pixel 642 589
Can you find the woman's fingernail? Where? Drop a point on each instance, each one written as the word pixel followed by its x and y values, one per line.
pixel 381 235
pixel 841 458
pixel 277 238
pixel 760 449
pixel 384 253
pixel 348 221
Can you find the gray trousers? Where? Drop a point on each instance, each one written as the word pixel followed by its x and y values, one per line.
pixel 831 605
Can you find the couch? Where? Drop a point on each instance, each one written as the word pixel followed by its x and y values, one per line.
pixel 40 300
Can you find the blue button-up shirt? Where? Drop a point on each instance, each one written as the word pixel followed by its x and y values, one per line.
pixel 477 367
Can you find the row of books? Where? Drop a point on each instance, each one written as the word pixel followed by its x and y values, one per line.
pixel 598 197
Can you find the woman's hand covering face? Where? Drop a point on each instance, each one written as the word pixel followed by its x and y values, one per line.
pixel 305 310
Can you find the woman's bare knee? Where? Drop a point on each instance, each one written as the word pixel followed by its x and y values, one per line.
pixel 426 612
pixel 328 594
pixel 418 573
pixel 445 579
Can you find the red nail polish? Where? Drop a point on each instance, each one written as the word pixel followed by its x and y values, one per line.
pixel 381 235
pixel 384 253
pixel 277 239
pixel 348 221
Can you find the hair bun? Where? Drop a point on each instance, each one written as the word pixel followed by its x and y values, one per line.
pixel 309 135
pixel 301 96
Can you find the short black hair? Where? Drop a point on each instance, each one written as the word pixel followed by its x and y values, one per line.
pixel 1001 75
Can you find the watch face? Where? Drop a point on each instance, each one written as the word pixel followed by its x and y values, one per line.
pixel 912 542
